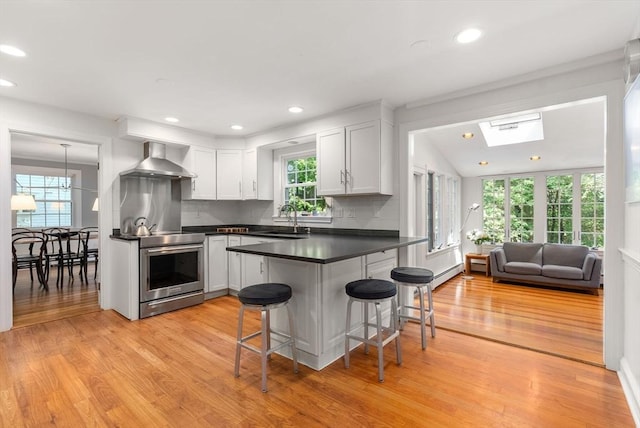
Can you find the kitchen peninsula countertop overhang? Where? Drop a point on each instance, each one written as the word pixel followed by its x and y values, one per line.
pixel 326 248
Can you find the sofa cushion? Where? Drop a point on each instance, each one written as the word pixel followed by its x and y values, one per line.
pixel 523 252
pixel 564 255
pixel 563 272
pixel 523 268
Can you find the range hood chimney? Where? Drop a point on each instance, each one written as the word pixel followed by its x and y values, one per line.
pixel 156 164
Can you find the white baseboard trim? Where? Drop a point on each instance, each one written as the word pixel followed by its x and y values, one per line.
pixel 446 276
pixel 631 389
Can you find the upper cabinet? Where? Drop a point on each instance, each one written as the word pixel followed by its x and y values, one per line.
pixel 229 174
pixel 202 162
pixel 257 174
pixel 356 159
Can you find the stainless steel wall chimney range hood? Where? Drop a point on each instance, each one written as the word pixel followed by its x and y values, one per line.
pixel 156 164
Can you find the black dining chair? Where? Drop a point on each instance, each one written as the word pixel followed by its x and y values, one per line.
pixel 64 248
pixel 89 237
pixel 23 231
pixel 28 252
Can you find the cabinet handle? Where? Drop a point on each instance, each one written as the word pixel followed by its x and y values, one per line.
pixel 346 176
pixel 341 177
pixel 193 185
pixel 261 268
pixel 254 185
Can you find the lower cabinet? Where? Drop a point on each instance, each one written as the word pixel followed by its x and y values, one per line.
pixel 217 264
pixel 254 267
pixel 235 265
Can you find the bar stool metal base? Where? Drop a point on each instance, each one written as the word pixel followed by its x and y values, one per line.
pixel 403 279
pixel 392 332
pixel 265 349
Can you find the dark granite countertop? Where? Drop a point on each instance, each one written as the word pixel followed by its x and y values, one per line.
pixel 326 248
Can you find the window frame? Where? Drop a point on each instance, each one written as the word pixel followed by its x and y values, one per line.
pixel 75 180
pixel 282 156
pixel 442 214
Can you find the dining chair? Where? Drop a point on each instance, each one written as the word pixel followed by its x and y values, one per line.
pixel 23 231
pixel 28 252
pixel 89 237
pixel 64 248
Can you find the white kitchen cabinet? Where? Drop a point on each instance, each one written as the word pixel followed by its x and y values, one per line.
pixel 229 174
pixel 217 266
pixel 379 266
pixel 235 265
pixel 254 267
pixel 356 160
pixel 200 161
pixel 257 174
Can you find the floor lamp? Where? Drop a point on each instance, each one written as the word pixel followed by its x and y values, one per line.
pixel 472 208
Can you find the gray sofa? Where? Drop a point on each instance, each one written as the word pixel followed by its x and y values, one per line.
pixel 557 265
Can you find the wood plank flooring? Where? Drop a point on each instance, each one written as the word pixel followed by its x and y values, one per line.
pixel 176 370
pixel 558 322
pixel 33 305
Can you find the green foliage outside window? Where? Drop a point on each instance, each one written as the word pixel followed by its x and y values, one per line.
pixel 493 209
pixel 521 195
pixel 300 187
pixel 592 210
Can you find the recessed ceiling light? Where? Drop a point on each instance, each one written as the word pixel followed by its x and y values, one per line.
pixel 469 35
pixel 483 163
pixel 236 127
pixel 7 83
pixel 295 109
pixel 172 119
pixel 467 135
pixel 12 50
pixel 535 158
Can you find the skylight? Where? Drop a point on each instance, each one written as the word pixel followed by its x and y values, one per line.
pixel 513 130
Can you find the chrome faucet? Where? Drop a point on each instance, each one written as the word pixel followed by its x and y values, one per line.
pixel 291 207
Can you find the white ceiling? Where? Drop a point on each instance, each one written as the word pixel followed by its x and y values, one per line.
pixel 573 138
pixel 216 63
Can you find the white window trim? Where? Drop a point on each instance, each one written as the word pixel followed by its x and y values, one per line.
pixel 281 157
pixel 74 174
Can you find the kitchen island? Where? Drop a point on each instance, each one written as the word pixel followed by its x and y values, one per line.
pixel 317 267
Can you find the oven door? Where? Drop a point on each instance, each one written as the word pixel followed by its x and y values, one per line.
pixel 170 271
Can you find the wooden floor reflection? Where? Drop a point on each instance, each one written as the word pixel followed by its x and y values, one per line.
pixel 33 305
pixel 557 322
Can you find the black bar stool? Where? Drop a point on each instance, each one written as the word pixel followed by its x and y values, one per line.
pixel 264 298
pixel 419 278
pixel 374 291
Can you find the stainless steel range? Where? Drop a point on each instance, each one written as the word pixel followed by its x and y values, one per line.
pixel 171 272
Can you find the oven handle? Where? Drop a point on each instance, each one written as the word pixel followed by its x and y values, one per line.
pixel 175 248
pixel 171 299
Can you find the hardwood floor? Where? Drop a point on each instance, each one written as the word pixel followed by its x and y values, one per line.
pixel 176 369
pixel 558 322
pixel 33 305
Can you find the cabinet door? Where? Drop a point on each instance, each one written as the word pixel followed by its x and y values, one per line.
pixel 254 270
pixel 330 152
pixel 218 263
pixel 363 158
pixel 200 161
pixel 235 265
pixel 257 174
pixel 254 267
pixel 229 174
pixel 250 174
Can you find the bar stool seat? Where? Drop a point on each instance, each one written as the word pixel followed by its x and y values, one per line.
pixel 419 278
pixel 374 291
pixel 265 297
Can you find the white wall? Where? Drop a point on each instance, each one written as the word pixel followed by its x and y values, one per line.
pixel 630 373
pixel 544 89
pixel 47 121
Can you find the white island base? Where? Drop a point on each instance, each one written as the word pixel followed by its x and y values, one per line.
pixel 319 302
